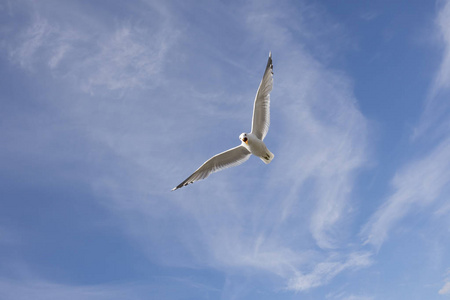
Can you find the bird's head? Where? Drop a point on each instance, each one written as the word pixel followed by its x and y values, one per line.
pixel 243 137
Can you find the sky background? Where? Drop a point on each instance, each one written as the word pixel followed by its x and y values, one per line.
pixel 106 105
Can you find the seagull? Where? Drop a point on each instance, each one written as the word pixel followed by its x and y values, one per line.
pixel 251 143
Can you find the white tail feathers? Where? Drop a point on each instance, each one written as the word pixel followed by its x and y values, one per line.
pixel 267 158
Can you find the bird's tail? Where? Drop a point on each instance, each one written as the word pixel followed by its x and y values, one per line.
pixel 267 158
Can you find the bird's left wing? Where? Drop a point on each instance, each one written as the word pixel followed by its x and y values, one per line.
pixel 261 108
pixel 230 158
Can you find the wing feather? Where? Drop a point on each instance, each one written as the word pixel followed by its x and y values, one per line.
pixel 261 107
pixel 230 158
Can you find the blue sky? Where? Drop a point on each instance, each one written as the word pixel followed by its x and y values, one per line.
pixel 106 106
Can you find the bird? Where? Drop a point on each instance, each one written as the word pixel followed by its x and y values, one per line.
pixel 251 143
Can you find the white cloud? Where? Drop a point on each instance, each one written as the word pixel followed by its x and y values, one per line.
pixel 327 144
pixel 128 55
pixel 323 272
pixel 356 297
pixel 32 40
pixel 443 22
pixel 445 289
pixel 346 296
pixel 159 288
pixel 434 120
pixel 421 181
pixel 37 289
pixel 58 55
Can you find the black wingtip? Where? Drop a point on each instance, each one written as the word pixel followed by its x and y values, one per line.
pixel 269 62
pixel 184 183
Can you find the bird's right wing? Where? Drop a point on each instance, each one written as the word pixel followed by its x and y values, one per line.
pixel 261 108
pixel 230 158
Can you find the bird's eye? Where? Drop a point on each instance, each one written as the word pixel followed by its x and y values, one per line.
pixel 244 139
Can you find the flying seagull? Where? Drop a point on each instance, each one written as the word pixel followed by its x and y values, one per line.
pixel 251 143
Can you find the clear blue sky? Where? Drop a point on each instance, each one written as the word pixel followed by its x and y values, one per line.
pixel 107 105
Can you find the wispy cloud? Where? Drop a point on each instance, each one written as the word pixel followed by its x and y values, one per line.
pixel 434 120
pixel 423 179
pixel 22 290
pixel 158 288
pixel 323 272
pixel 131 57
pixel 128 55
pixel 347 296
pixel 356 297
pixel 322 112
pixel 418 184
pixel 445 289
pixel 32 39
pixel 443 23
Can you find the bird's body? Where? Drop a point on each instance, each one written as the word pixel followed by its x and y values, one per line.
pixel 251 143
pixel 257 147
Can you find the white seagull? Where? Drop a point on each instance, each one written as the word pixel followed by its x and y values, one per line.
pixel 252 143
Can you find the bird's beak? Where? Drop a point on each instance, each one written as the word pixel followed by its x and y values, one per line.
pixel 245 140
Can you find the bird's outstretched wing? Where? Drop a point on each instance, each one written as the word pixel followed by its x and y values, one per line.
pixel 261 108
pixel 230 158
